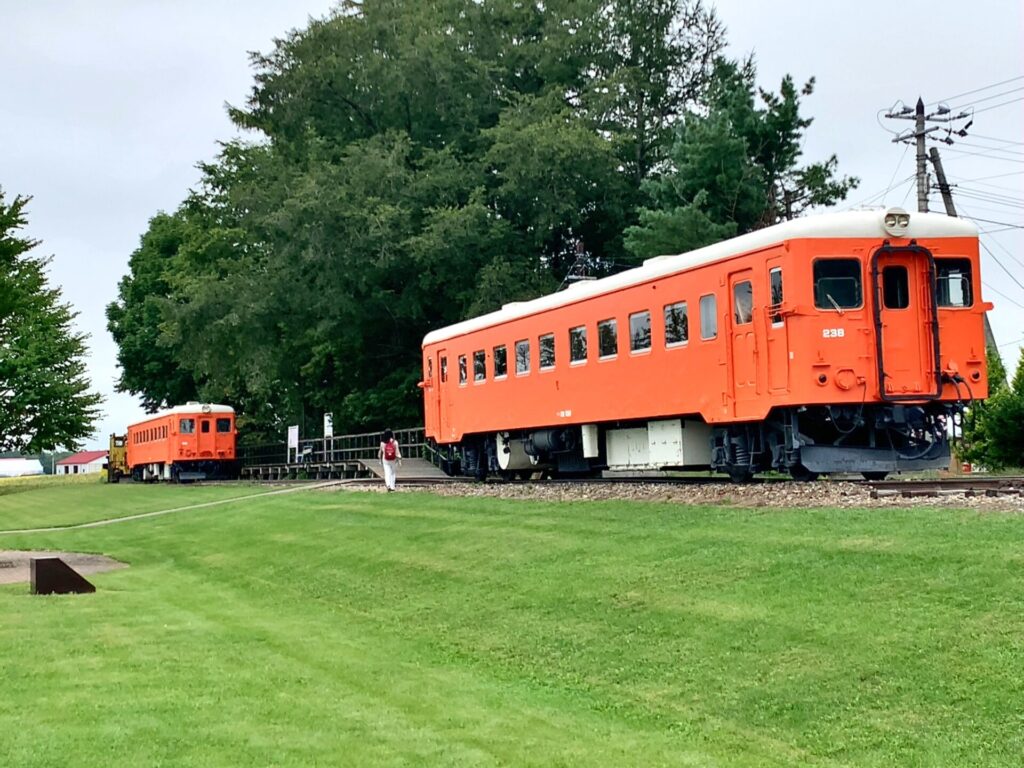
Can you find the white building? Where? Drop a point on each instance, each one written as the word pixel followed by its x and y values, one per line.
pixel 20 467
pixel 82 463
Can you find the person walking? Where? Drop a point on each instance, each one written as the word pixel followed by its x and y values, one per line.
pixel 390 458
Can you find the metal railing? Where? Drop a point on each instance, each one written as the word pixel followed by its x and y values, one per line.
pixel 339 449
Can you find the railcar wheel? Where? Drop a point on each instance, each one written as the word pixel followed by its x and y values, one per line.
pixel 740 474
pixel 802 474
pixel 875 475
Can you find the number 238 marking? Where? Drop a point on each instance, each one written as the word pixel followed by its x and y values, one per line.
pixel 833 333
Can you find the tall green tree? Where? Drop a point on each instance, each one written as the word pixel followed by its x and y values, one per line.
pixel 45 400
pixel 735 164
pixel 992 433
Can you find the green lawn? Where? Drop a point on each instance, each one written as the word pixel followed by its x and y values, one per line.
pixel 319 629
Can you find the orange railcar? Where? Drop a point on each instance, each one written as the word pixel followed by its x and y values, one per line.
pixel 187 442
pixel 841 342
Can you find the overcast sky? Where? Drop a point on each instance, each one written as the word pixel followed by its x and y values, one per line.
pixel 108 106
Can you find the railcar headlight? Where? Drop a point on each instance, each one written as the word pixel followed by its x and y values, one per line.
pixel 896 222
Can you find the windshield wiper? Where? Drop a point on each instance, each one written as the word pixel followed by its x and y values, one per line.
pixel 834 303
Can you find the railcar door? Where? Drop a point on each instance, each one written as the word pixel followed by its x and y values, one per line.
pixel 441 399
pixel 775 330
pixel 205 436
pixel 743 337
pixel 906 325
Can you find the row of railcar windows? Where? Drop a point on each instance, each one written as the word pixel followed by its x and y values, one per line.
pixel 149 435
pixel 677 333
pixel 185 427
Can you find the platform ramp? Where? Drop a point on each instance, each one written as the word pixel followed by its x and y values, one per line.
pixel 410 469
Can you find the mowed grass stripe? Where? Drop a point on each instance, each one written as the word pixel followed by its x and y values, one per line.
pixel 357 629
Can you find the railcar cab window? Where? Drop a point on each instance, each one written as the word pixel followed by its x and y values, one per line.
pixel 953 283
pixel 479 365
pixel 895 287
pixel 223 425
pixel 463 373
pixel 546 346
pixel 640 331
pixel 677 324
pixel 187 426
pixel 708 317
pixel 775 284
pixel 837 284
pixel 607 338
pixel 743 303
pixel 522 357
pixel 578 344
pixel 500 362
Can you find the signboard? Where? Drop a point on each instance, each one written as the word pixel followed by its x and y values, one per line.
pixel 293 437
pixel 328 425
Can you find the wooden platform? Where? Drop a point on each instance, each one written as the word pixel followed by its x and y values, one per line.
pixel 411 469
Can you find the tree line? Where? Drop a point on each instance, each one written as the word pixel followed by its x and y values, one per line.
pixel 409 164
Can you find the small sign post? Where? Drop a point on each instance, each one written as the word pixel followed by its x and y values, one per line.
pixel 328 435
pixel 293 442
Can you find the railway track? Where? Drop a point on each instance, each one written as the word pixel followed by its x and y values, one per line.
pixel 966 486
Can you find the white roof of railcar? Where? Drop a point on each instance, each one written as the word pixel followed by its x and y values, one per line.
pixel 847 224
pixel 188 408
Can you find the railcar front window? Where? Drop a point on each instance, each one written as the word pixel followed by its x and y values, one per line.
pixel 607 338
pixel 204 426
pixel 547 351
pixel 522 357
pixel 578 344
pixel 775 281
pixel 479 365
pixel 463 372
pixel 743 303
pixel 223 425
pixel 187 426
pixel 708 317
pixel 895 287
pixel 953 283
pixel 677 324
pixel 639 331
pixel 500 362
pixel 837 284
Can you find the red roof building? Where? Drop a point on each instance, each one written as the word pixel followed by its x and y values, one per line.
pixel 82 462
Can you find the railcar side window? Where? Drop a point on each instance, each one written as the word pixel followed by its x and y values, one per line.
pixel 187 426
pixel 607 338
pixel 953 283
pixel 743 303
pixel 444 370
pixel 479 365
pixel 430 368
pixel 223 425
pixel 463 372
pixel 522 356
pixel 547 351
pixel 708 317
pixel 500 362
pixel 677 324
pixel 895 287
pixel 837 284
pixel 775 281
pixel 578 344
pixel 639 331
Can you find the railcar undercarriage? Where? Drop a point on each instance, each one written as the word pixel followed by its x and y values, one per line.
pixel 805 442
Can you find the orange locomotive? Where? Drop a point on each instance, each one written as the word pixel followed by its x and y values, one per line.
pixel 841 342
pixel 194 441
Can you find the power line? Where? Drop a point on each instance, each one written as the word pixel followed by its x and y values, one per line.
pixel 988 98
pixel 991 148
pixel 984 154
pixel 994 138
pixel 997 292
pixel 996 106
pixel 1006 224
pixel 997 261
pixel 995 176
pixel 1011 343
pixel 979 90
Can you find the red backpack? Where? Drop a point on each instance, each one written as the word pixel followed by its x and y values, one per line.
pixel 390 450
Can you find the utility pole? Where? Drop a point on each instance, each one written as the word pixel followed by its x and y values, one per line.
pixel 917 136
pixel 947 199
pixel 922 167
